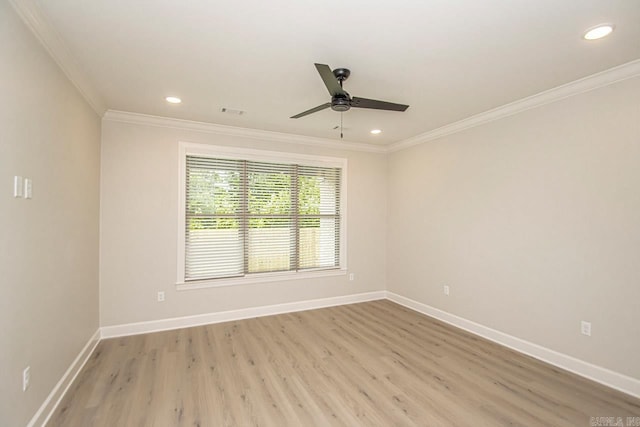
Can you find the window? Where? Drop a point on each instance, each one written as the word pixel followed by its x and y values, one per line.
pixel 248 214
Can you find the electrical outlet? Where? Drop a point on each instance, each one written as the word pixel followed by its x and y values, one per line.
pixel 160 296
pixel 352 277
pixel 585 328
pixel 445 289
pixel 26 378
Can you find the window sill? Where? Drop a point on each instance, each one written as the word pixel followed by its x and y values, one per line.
pixel 262 278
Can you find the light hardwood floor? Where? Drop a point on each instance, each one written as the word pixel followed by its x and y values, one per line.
pixel 368 364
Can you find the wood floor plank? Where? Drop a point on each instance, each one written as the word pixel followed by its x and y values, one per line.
pixel 368 364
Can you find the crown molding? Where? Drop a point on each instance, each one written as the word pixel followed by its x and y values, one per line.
pixel 36 21
pixel 586 84
pixel 263 135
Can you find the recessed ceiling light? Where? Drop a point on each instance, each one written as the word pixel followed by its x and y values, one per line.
pixel 598 32
pixel 376 131
pixel 173 100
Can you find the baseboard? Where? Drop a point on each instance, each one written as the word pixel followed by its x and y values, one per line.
pixel 596 373
pixel 227 316
pixel 53 400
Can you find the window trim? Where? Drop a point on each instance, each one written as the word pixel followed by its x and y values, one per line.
pixel 236 153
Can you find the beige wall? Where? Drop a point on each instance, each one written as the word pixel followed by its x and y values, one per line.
pixel 139 217
pixel 49 244
pixel 534 223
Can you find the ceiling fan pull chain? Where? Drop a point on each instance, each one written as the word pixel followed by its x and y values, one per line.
pixel 341 125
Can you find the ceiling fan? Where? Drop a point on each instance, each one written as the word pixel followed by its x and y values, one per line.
pixel 340 100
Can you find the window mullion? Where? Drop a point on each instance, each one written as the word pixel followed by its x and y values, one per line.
pixel 244 213
pixel 295 258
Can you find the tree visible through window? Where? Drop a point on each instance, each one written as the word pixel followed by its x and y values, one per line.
pixel 245 217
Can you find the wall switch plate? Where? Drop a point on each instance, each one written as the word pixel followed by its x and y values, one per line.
pixel 28 193
pixel 26 378
pixel 17 186
pixel 585 328
pixel 160 296
pixel 352 277
pixel 445 289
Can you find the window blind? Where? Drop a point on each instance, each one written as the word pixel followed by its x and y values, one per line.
pixel 245 217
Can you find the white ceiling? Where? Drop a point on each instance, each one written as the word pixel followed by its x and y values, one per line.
pixel 447 59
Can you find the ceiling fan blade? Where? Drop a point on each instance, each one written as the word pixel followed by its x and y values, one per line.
pixel 311 111
pixel 377 105
pixel 330 81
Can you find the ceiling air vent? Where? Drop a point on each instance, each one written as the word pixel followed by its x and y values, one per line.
pixel 232 111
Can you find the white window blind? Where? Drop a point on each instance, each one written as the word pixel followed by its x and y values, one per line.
pixel 244 217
